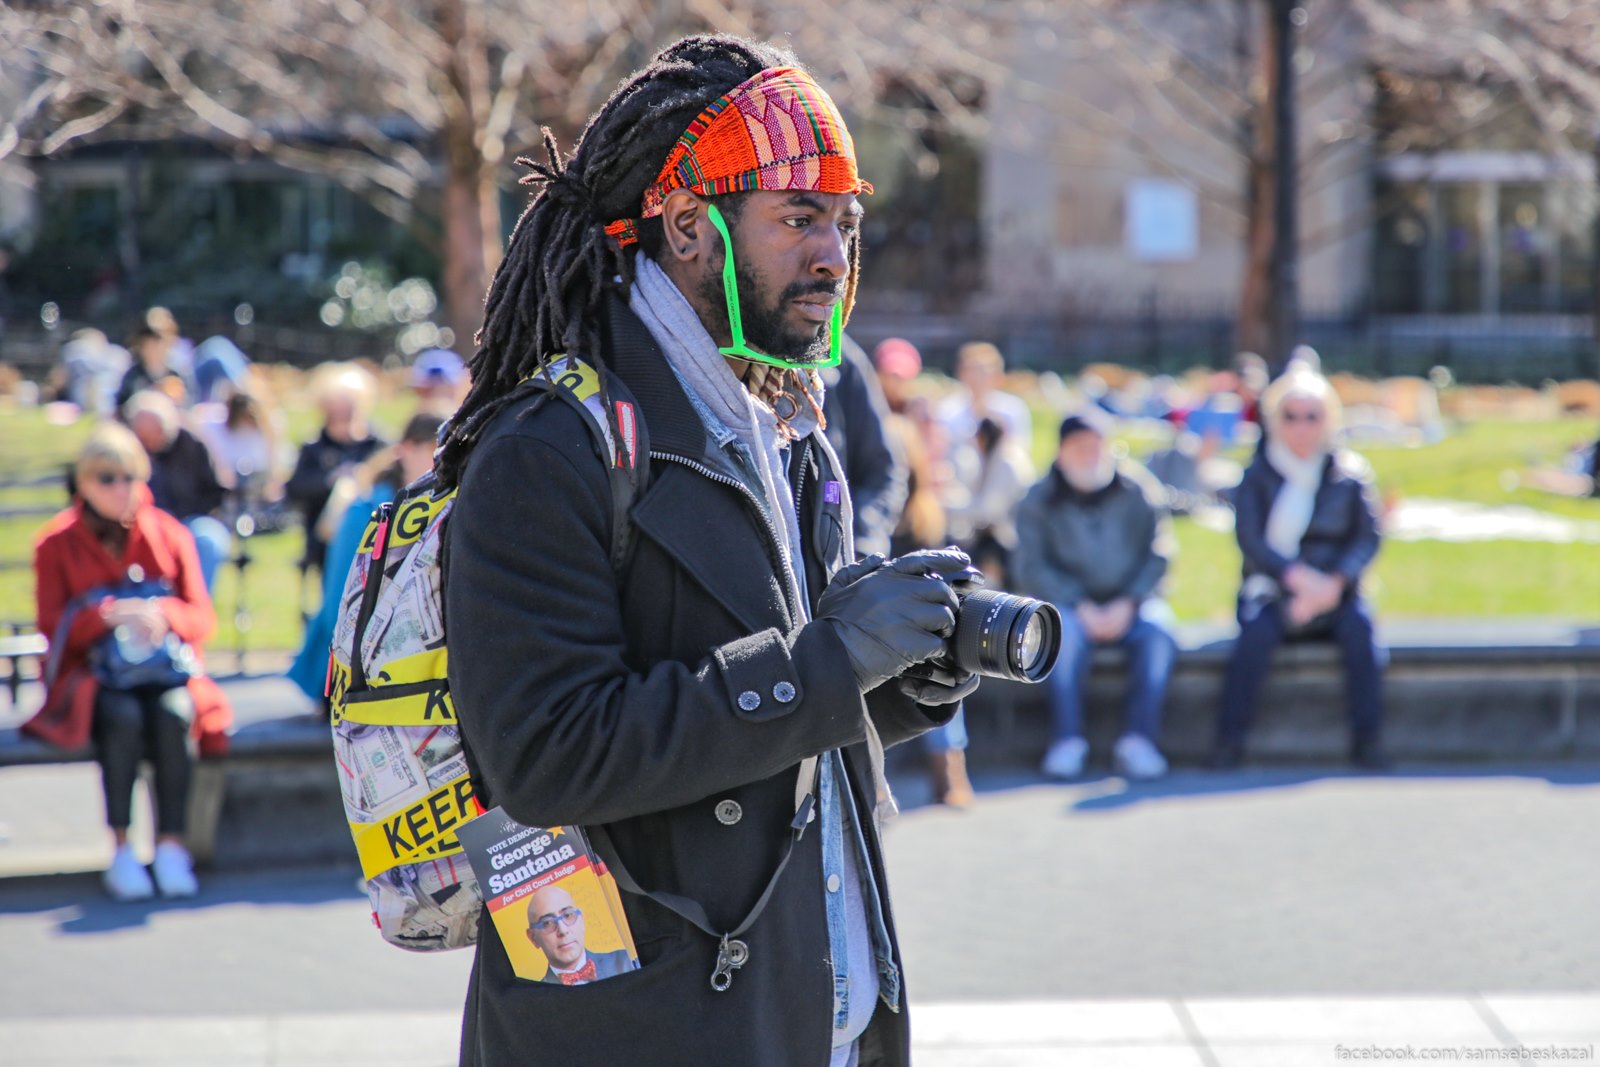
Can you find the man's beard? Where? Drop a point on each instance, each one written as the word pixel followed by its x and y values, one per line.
pixel 1091 479
pixel 764 327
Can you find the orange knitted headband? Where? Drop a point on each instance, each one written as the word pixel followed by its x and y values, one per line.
pixel 776 131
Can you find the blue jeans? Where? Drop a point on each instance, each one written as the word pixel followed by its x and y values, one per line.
pixel 951 736
pixel 1151 650
pixel 1350 628
pixel 211 542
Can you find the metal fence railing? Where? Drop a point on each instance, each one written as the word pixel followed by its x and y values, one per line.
pixel 1526 349
pixel 33 350
pixel 1521 349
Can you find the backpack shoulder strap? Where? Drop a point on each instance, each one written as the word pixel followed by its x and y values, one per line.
pixel 403 520
pixel 612 415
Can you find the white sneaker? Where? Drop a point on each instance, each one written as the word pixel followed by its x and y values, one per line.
pixel 1065 758
pixel 174 870
pixel 126 878
pixel 1136 757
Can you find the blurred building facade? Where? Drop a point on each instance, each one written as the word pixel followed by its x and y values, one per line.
pixel 1485 233
pixel 1106 190
pixel 1115 193
pixel 131 221
pixel 1099 213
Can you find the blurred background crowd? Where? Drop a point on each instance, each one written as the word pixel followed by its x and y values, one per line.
pixel 1172 314
pixel 1075 490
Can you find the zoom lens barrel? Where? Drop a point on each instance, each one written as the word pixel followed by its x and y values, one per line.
pixel 1003 635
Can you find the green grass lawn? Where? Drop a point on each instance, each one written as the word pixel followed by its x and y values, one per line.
pixel 1432 579
pixel 1415 579
pixel 1410 580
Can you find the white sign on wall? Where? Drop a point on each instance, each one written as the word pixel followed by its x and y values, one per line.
pixel 1162 221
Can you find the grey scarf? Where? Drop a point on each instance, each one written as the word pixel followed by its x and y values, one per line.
pixel 706 375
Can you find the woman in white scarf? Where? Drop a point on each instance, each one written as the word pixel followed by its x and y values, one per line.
pixel 1302 414
pixel 1307 529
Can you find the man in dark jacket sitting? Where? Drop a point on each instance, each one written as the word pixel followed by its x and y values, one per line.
pixel 183 479
pixel 712 705
pixel 1093 539
pixel 345 395
pixel 151 369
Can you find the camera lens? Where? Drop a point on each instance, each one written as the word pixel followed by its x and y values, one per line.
pixel 1007 636
pixel 1032 643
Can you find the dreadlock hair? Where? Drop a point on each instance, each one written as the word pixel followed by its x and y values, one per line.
pixel 548 294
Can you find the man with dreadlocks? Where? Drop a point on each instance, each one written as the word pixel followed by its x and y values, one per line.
pixel 714 705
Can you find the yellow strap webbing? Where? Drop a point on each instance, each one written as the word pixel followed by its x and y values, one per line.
pixel 421 831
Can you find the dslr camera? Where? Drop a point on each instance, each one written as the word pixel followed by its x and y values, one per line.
pixel 997 635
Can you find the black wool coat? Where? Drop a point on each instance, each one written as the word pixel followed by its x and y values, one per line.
pixel 645 707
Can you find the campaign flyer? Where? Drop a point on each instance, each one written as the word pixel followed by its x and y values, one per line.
pixel 555 908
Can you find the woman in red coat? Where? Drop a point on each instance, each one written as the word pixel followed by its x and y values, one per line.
pixel 113 533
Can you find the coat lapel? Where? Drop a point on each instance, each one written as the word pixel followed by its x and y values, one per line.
pixel 706 526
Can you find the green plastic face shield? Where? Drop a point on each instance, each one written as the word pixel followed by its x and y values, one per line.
pixel 730 289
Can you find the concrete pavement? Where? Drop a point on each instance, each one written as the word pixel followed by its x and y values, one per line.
pixel 1261 918
pixel 1299 1032
pixel 1265 882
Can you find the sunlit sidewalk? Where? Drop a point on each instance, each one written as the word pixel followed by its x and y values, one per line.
pixel 1294 1032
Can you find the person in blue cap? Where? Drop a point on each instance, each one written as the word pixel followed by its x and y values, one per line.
pixel 438 378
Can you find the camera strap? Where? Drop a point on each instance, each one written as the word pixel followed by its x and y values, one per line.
pixel 731 953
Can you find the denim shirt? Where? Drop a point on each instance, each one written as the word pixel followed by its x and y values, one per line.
pixel 849 887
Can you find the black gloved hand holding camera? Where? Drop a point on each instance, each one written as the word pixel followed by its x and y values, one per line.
pixel 891 615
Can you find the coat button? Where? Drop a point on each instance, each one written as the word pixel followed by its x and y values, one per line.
pixel 833 883
pixel 783 692
pixel 729 812
pixel 749 700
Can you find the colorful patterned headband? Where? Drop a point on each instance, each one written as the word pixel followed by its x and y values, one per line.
pixel 777 131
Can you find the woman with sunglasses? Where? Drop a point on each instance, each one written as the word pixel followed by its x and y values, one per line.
pixel 1307 529
pixel 113 536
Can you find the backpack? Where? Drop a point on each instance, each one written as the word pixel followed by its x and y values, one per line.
pixel 403 772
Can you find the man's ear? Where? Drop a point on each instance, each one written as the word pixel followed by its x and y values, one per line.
pixel 686 231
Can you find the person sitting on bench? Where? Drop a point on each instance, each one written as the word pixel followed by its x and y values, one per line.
pixel 1308 529
pixel 1093 539
pixel 115 569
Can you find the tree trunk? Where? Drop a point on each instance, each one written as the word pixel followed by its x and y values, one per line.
pixel 128 231
pixel 471 213
pixel 471 218
pixel 1255 293
pixel 1594 268
pixel 1284 311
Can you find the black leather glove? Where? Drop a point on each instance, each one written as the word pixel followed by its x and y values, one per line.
pixel 964 683
pixel 890 616
pixel 850 574
pixel 928 691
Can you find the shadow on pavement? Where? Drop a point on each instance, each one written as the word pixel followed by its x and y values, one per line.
pixel 1120 793
pixel 85 909
pixel 1100 791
